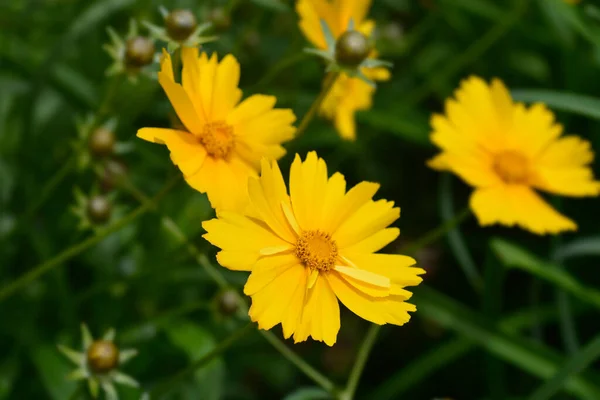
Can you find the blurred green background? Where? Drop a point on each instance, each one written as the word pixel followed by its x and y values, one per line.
pixel 502 341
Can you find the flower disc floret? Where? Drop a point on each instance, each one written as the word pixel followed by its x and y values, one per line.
pixel 317 250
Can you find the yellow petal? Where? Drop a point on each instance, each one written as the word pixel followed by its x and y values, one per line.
pixel 178 97
pixel 271 303
pixel 398 268
pixel 321 314
pixel 356 197
pixel 306 180
pixel 190 79
pixel 517 205
pixel 367 282
pixel 371 218
pixel 206 82
pixel 374 242
pixel 226 93
pixel 364 306
pixel 266 270
pixel 251 108
pixel 185 150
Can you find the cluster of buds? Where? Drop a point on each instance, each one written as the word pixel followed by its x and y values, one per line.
pixel 98 363
pixel 349 54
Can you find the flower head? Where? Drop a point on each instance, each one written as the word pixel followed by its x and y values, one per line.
pixel 313 246
pixel 132 55
pixel 507 151
pixel 181 29
pixel 99 362
pixel 224 139
pixel 329 25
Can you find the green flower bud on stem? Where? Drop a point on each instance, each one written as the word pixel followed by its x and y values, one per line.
pixel 228 302
pixel 180 24
pixel 102 356
pixel 351 49
pixel 101 142
pixel 139 52
pixel 98 209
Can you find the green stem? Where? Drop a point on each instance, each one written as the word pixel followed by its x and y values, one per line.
pixel 361 361
pixel 279 67
pixel 73 251
pixel 176 379
pixel 302 365
pixel 436 233
pixel 47 190
pixel 312 111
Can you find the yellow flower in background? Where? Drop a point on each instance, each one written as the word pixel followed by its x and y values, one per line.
pixel 506 151
pixel 349 94
pixel 312 247
pixel 224 140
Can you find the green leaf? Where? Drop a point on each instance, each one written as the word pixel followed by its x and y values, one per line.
pixel 578 362
pixel 275 5
pixel 196 342
pixel 582 247
pixel 387 121
pixel 53 369
pixel 528 356
pixel 514 256
pixel 586 106
pixel 308 393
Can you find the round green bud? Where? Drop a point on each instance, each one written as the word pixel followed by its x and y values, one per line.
pixel 99 209
pixel 351 49
pixel 113 172
pixel 139 52
pixel 101 142
pixel 102 356
pixel 180 24
pixel 228 302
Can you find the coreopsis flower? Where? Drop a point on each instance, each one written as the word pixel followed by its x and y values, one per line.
pixel 312 247
pixel 99 363
pixel 507 151
pixel 335 28
pixel 224 139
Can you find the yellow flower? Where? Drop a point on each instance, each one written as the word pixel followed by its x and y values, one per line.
pixel 312 247
pixel 224 140
pixel 348 94
pixel 506 151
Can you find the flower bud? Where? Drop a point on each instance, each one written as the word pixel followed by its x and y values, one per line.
pixel 351 49
pixel 98 209
pixel 102 356
pixel 180 24
pixel 101 142
pixel 139 52
pixel 113 172
pixel 228 302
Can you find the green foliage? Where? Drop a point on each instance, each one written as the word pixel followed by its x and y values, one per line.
pixel 150 274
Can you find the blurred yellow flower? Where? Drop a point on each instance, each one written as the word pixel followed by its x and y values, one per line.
pixel 349 94
pixel 224 140
pixel 506 151
pixel 312 247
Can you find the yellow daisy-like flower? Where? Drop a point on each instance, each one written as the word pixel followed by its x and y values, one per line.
pixel 224 140
pixel 506 151
pixel 312 247
pixel 349 94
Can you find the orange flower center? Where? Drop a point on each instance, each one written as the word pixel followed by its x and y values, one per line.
pixel 317 250
pixel 217 138
pixel 511 166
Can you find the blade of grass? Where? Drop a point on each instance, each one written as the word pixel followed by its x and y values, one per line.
pixel 453 349
pixel 516 257
pixel 586 106
pixel 535 359
pixel 456 240
pixel 577 363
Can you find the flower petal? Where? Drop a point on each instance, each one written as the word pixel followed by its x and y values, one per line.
pixel 517 205
pixel 321 314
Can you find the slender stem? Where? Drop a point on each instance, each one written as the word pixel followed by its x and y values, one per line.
pixel 47 190
pixel 109 95
pixel 73 251
pixel 361 361
pixel 308 370
pixel 214 273
pixel 172 382
pixel 279 67
pixel 312 111
pixel 436 233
